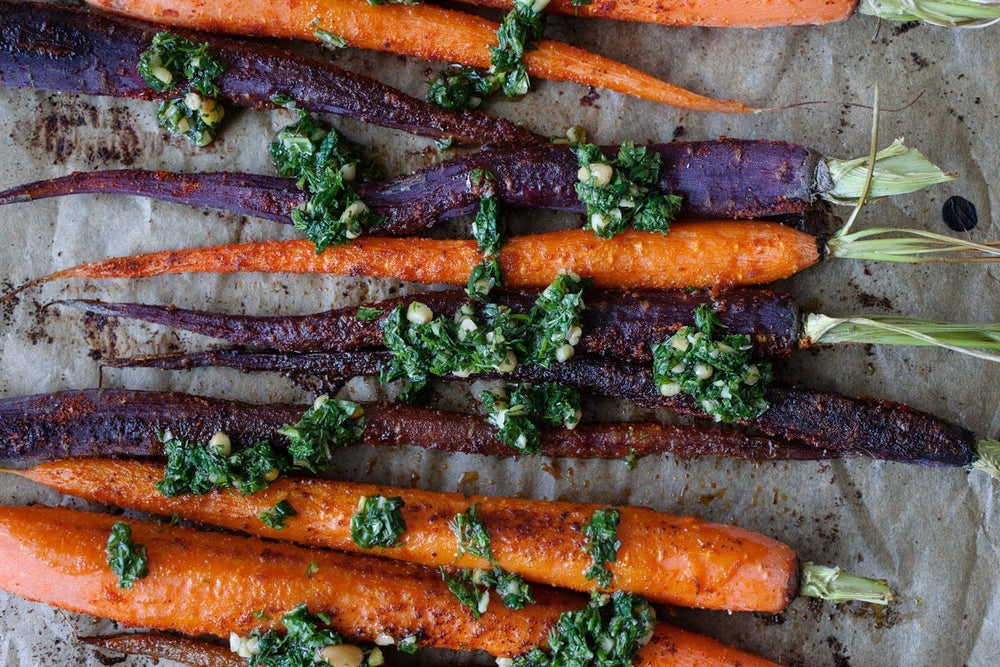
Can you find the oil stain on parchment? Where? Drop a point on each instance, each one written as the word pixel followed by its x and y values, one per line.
pixel 78 132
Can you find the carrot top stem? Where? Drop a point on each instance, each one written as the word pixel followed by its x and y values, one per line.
pixel 832 583
pixel 910 246
pixel 947 13
pixel 971 339
pixel 988 457
pixel 897 170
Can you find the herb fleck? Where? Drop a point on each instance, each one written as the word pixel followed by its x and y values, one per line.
pixel 126 558
pixel 330 39
pixel 602 544
pixel 378 522
pixel 622 193
pixel 277 516
pixel 717 372
pixel 368 314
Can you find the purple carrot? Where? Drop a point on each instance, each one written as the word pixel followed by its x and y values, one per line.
pixel 825 420
pixel 121 422
pixel 622 323
pixel 715 179
pixel 80 51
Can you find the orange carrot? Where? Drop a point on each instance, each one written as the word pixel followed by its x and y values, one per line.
pixel 209 583
pixel 423 30
pixel 674 560
pixel 704 13
pixel 693 254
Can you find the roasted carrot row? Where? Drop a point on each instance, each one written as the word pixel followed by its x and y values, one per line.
pixel 674 560
pixel 704 13
pixel 421 30
pixel 708 253
pixel 210 583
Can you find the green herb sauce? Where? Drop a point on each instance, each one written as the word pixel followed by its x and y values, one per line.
pixel 277 516
pixel 490 339
pixel 378 522
pixel 719 373
pixel 489 236
pixel 168 63
pixel 329 424
pixel 520 415
pixel 472 587
pixel 126 558
pixel 601 635
pixel 324 164
pixel 198 469
pixel 602 544
pixel 622 193
pixel 305 636
pixel 521 29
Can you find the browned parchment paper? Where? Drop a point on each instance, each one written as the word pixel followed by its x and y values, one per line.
pixel 934 533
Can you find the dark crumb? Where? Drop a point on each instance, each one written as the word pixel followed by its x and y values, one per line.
pixel 840 658
pixel 904 27
pixel 678 132
pixel 6 286
pixel 868 300
pixel 589 99
pixel 919 60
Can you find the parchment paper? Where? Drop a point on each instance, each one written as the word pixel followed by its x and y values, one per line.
pixel 934 533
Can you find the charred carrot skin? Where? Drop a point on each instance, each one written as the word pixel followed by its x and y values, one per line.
pixel 72 50
pixel 704 13
pixel 209 583
pixel 422 30
pixel 122 422
pixel 693 254
pixel 674 560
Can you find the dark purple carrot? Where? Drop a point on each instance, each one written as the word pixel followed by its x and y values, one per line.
pixel 616 322
pixel 727 178
pixel 186 650
pixel 120 422
pixel 825 420
pixel 73 50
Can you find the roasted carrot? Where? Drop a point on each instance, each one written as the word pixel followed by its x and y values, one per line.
pixel 422 30
pixel 693 254
pixel 189 651
pixel 757 14
pixel 705 13
pixel 674 560
pixel 209 583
